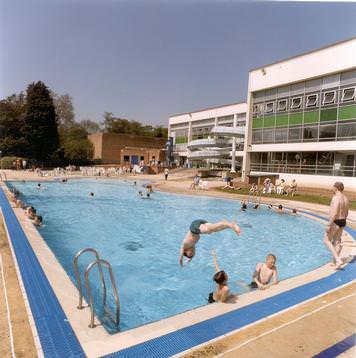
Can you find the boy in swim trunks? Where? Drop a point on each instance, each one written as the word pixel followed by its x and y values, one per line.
pixel 198 227
pixel 339 209
pixel 222 292
pixel 265 273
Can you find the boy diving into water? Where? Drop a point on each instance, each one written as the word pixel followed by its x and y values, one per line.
pixel 198 227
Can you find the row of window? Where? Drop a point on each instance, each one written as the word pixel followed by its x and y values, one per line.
pixel 309 101
pixel 342 131
pixel 324 163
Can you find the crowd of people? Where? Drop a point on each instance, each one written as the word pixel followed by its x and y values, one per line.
pixel 265 274
pixel 269 188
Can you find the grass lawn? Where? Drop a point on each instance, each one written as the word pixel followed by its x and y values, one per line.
pixel 317 199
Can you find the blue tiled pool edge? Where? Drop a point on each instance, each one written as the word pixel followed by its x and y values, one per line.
pixel 57 336
pixel 55 332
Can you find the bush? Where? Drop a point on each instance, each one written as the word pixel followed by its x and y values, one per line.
pixel 8 162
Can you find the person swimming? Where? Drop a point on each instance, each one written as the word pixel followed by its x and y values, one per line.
pixel 38 220
pixel 91 194
pixel 243 206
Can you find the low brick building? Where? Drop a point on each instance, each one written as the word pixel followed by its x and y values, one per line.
pixel 127 149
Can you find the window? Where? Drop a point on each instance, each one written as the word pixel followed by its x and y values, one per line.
pixel 327 132
pixel 255 108
pixel 296 103
pixel 257 136
pixel 312 100
pixel 346 131
pixel 268 136
pixel 281 135
pixel 310 134
pixel 269 107
pixel 329 97
pixel 282 105
pixel 126 158
pixel 348 94
pixel 295 134
pixel 142 158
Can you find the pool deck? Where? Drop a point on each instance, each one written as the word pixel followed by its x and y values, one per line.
pixel 236 340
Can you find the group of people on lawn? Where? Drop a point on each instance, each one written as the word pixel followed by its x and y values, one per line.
pixel 282 188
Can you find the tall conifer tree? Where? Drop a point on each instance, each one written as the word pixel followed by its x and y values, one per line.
pixel 40 125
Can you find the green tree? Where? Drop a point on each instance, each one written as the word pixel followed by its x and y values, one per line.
pixel 12 119
pixel 76 146
pixel 90 126
pixel 40 127
pixel 64 110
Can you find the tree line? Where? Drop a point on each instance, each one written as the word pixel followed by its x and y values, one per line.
pixel 40 125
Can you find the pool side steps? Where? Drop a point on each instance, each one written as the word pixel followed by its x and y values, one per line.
pixel 98 262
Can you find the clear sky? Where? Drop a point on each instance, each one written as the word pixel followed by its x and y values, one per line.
pixel 146 60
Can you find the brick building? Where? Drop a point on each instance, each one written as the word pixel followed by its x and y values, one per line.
pixel 127 149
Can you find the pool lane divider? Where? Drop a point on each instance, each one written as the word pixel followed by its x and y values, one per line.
pixel 54 330
pixel 57 336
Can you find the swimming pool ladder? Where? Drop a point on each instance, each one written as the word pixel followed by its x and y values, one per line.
pixel 254 197
pixel 98 262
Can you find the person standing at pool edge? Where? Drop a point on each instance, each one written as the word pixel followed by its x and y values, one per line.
pixel 166 172
pixel 198 227
pixel 339 209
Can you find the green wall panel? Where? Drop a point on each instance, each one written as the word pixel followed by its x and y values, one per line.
pixel 180 140
pixel 269 121
pixel 348 112
pixel 311 117
pixel 296 118
pixel 328 114
pixel 282 120
pixel 257 123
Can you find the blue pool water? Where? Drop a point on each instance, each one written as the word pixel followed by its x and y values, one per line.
pixel 141 240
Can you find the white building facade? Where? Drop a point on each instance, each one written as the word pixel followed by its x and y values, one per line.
pixel 301 118
pixel 211 138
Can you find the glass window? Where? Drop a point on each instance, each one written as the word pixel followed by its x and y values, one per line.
pixel 308 162
pixel 310 134
pixel 296 103
pixel 344 164
pixel 257 136
pixel 327 132
pixel 329 97
pixel 268 135
pixel 325 163
pixel 295 134
pixel 312 100
pixel 348 94
pixel 282 105
pixel 126 158
pixel 346 130
pixel 269 107
pixel 281 135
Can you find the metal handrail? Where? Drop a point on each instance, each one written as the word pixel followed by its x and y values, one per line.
pixel 77 276
pixel 116 318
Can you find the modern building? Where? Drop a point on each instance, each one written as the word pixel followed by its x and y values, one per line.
pixel 211 138
pixel 301 118
pixel 126 149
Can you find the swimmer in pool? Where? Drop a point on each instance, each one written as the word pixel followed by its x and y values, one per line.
pixel 278 210
pixel 339 209
pixel 243 205
pixel 198 227
pixel 222 292
pixel 265 274
pixel 91 194
pixel 38 220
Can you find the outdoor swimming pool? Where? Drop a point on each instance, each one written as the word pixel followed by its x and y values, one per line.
pixel 141 239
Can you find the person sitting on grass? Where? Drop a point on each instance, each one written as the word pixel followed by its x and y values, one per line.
pixel 281 188
pixel 292 188
pixel 198 227
pixel 254 188
pixel 266 274
pixel 222 292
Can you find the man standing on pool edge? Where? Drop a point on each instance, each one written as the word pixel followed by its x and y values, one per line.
pixel 339 208
pixel 198 227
